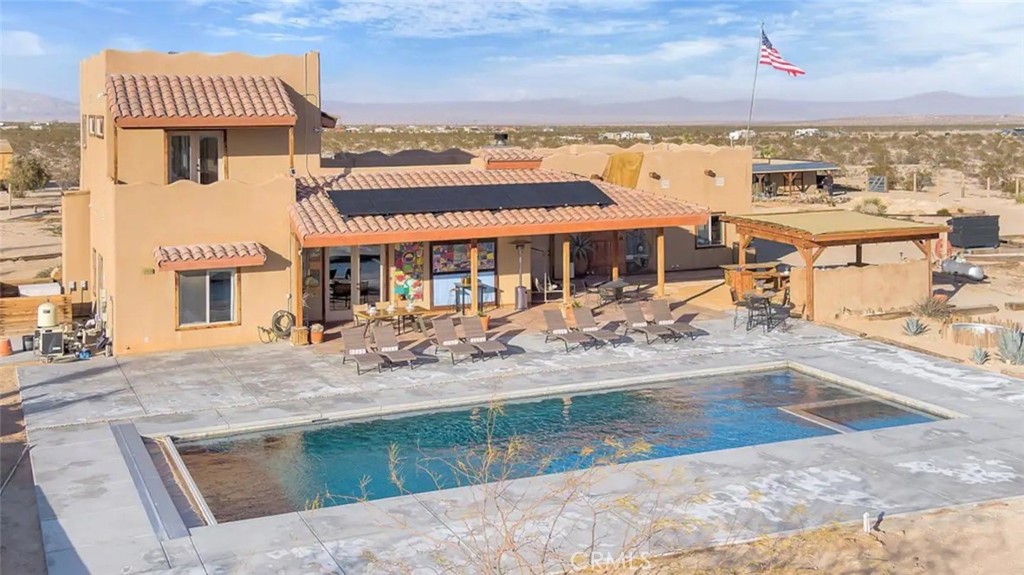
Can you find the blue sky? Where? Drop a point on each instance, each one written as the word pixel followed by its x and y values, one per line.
pixel 597 50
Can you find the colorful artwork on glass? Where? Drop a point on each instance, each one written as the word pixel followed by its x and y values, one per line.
pixel 450 258
pixel 408 270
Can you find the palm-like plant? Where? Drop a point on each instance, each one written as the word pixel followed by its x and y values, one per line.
pixel 581 248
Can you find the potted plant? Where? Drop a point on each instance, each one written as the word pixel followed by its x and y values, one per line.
pixel 316 333
pixel 485 320
pixel 581 251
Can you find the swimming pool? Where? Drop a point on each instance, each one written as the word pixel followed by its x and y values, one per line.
pixel 257 474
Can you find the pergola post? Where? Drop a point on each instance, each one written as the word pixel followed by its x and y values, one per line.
pixel 926 248
pixel 566 280
pixel 474 272
pixel 291 147
pixel 860 254
pixel 615 255
pixel 809 258
pixel 745 240
pixel 661 262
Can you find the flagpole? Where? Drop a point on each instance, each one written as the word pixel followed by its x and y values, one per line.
pixel 753 89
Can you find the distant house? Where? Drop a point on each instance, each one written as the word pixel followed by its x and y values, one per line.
pixel 806 132
pixel 383 130
pixel 36 127
pixel 738 135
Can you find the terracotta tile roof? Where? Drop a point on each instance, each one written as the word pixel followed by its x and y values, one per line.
pixel 207 256
pixel 317 222
pixel 508 154
pixel 156 101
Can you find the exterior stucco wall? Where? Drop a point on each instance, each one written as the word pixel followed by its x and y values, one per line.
pixel 75 239
pixel 143 304
pixel 681 174
pixel 862 289
pixel 92 101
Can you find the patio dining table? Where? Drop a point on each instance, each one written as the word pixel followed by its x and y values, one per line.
pixel 399 314
pixel 612 290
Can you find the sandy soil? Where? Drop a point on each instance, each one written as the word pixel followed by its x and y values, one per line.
pixel 31 236
pixel 979 540
pixel 21 541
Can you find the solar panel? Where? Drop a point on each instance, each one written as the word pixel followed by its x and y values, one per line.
pixel 467 198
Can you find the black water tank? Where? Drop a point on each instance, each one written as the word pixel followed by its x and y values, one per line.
pixel 974 231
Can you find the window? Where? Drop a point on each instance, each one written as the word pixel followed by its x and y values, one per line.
pixel 194 156
pixel 711 234
pixel 94 124
pixel 206 297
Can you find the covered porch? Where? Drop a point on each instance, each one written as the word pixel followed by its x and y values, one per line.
pixel 856 286
pixel 431 252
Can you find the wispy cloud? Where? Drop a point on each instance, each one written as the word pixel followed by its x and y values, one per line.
pixel 21 43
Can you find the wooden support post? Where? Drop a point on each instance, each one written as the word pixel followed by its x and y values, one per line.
pixel 808 282
pixel 744 244
pixel 860 254
pixel 114 136
pixel 928 258
pixel 988 184
pixel 915 180
pixel 566 281
pixel 963 184
pixel 615 255
pixel 661 262
pixel 474 274
pixel 299 283
pixel 291 147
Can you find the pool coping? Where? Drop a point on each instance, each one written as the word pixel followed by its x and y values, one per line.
pixel 192 491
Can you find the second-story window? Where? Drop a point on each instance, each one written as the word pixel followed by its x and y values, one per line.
pixel 194 156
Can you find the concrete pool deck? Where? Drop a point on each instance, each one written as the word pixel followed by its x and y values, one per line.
pixel 94 520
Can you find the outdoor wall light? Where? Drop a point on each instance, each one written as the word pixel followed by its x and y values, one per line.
pixel 654 175
pixel 710 173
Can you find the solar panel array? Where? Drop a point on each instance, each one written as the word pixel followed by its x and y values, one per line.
pixel 426 200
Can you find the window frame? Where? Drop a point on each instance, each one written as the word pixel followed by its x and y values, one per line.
pixel 721 232
pixel 195 139
pixel 235 306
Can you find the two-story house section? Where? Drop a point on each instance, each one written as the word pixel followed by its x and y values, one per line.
pixel 180 232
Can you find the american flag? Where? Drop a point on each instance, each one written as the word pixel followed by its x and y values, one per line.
pixel 771 57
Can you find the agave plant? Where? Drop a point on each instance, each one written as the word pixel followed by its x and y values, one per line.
pixel 913 326
pixel 1011 346
pixel 979 355
pixel 932 308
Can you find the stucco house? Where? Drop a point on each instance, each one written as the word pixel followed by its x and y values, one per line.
pixel 204 208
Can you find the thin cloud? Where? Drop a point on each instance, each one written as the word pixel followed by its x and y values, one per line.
pixel 21 43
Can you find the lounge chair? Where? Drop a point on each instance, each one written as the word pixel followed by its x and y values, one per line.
pixel 387 346
pixel 356 350
pixel 636 322
pixel 557 330
pixel 586 324
pixel 445 340
pixel 663 316
pixel 477 337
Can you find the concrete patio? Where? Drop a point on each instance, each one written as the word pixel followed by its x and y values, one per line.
pixel 94 519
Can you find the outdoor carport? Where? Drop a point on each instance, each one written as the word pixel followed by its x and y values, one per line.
pixel 812 232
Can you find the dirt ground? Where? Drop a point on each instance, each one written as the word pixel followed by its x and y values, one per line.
pixel 979 540
pixel 21 541
pixel 31 235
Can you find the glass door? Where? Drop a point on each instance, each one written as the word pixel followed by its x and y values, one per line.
pixel 194 156
pixel 339 297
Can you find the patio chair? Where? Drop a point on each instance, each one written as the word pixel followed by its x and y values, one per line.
pixel 546 288
pixel 356 350
pixel 662 315
pixel 387 346
pixel 558 331
pixel 584 318
pixel 738 304
pixel 446 340
pixel 477 337
pixel 636 322
pixel 634 293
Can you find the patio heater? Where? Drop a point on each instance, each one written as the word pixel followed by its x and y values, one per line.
pixel 522 297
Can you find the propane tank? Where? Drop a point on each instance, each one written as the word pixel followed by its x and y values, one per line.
pixel 961 267
pixel 46 316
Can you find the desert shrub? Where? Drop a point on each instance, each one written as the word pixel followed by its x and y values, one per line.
pixel 979 356
pixel 872 206
pixel 1011 346
pixel 932 308
pixel 914 326
pixel 943 212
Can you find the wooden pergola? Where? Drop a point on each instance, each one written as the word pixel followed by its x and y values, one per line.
pixel 811 232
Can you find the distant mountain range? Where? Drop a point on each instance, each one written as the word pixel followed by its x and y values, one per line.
pixel 20 106
pixel 673 111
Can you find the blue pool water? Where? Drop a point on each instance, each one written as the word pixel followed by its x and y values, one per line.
pixel 258 474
